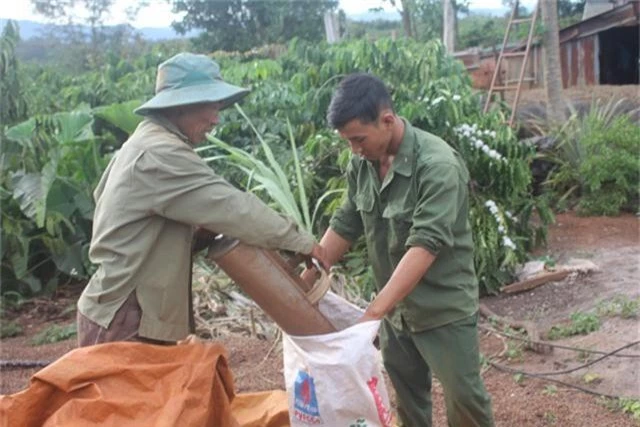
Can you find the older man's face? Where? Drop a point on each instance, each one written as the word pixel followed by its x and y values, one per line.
pixel 197 120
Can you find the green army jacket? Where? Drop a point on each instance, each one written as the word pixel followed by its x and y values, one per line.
pixel 152 194
pixel 423 201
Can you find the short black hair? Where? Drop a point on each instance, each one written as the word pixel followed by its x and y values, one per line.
pixel 358 96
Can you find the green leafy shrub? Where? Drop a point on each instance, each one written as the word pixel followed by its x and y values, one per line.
pixel 14 107
pixel 610 168
pixel 50 167
pixel 596 160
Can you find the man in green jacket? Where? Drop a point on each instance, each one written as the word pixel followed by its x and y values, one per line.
pixel 408 195
pixel 154 194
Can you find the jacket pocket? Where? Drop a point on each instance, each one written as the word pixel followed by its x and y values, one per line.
pixel 399 222
pixel 365 205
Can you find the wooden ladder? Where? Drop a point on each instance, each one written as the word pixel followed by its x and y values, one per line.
pixel 514 19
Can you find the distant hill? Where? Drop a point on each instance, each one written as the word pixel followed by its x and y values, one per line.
pixel 375 16
pixel 489 12
pixel 395 16
pixel 31 29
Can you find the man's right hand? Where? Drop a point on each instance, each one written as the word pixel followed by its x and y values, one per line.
pixel 320 254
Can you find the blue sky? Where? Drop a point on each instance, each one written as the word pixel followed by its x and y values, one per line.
pixel 159 13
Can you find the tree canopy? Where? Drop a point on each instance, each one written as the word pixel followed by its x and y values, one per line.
pixel 243 24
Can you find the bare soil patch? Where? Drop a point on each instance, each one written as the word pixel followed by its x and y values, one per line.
pixel 586 93
pixel 612 243
pixel 532 102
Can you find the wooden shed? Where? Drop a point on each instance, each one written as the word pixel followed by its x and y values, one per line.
pixel 602 49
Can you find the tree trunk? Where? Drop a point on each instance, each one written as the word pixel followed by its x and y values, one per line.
pixel 551 62
pixel 449 26
pixel 406 18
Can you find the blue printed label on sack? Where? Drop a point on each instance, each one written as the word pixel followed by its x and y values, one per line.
pixel 305 402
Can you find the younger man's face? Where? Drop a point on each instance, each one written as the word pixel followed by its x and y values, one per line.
pixel 369 140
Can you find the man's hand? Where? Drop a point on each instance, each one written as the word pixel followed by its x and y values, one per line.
pixel 320 254
pixel 367 316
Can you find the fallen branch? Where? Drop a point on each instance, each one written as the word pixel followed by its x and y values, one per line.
pixel 529 327
pixel 534 282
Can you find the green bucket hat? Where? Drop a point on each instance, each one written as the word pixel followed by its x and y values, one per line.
pixel 188 78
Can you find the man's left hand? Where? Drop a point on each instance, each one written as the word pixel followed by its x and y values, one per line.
pixel 367 316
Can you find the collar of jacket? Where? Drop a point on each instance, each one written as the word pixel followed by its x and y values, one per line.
pixel 403 162
pixel 160 120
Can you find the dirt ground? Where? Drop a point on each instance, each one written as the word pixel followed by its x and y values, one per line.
pixel 611 243
pixel 629 92
pixel 532 101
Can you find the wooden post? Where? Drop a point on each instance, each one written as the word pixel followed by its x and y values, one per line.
pixel 331 27
pixel 448 28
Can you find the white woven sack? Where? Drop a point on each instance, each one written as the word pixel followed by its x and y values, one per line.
pixel 336 379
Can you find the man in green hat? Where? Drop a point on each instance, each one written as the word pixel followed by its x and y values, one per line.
pixel 154 194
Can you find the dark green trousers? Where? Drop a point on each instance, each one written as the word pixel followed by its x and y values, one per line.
pixel 451 353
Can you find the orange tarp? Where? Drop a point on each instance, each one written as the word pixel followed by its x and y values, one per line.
pixel 134 384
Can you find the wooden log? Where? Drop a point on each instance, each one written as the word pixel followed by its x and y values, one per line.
pixel 534 282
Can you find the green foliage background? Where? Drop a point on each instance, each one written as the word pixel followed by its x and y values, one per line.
pixel 52 161
pixel 596 160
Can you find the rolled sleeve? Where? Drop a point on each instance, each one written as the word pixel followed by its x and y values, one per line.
pixel 347 224
pixel 437 207
pixel 187 190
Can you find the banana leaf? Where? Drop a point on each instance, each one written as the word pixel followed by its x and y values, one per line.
pixel 120 115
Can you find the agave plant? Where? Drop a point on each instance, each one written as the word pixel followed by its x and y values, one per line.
pixel 270 178
pixel 576 148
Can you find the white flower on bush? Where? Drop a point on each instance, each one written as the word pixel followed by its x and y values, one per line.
pixel 506 241
pixel 493 208
pixel 456 97
pixel 502 228
pixel 437 101
pixel 473 134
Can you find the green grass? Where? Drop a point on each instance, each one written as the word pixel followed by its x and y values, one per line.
pixel 54 334
pixel 579 324
pixel 630 406
pixel 10 329
pixel 625 405
pixel 620 306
